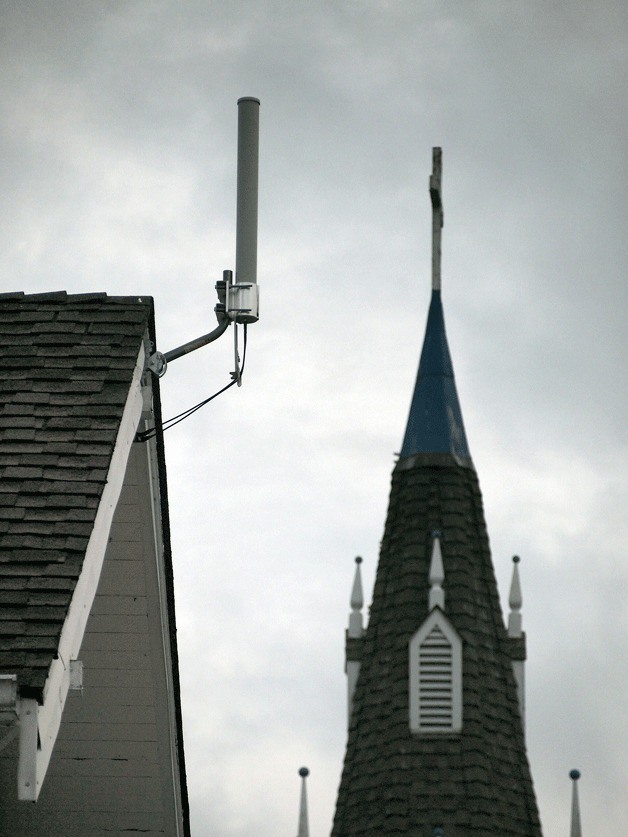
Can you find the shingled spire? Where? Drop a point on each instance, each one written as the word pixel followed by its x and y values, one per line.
pixel 411 778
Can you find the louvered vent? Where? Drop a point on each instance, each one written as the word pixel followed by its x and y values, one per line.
pixel 435 677
pixel 435 682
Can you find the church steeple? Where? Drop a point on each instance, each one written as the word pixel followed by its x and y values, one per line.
pixel 435 738
pixel 435 422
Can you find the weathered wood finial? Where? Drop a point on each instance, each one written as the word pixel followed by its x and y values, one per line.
pixel 438 215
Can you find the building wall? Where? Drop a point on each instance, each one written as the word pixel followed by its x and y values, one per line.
pixel 114 767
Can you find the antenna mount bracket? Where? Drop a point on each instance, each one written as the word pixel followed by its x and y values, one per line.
pixel 243 302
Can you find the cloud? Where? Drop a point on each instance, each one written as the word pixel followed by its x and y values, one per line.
pixel 118 173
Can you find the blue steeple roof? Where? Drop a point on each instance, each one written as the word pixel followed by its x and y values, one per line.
pixel 435 422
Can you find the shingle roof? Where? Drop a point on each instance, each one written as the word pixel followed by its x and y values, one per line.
pixel 397 782
pixel 394 781
pixel 66 363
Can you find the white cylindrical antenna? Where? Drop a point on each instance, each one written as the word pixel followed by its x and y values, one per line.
pixel 248 164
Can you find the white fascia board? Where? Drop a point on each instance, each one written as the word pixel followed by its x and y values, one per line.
pixel 148 420
pixel 35 751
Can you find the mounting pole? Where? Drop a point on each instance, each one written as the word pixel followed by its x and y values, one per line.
pixel 438 216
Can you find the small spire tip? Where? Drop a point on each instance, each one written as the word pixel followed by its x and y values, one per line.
pixel 574 774
pixel 358 560
pixel 303 771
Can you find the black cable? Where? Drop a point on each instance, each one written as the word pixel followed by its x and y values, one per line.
pixel 171 422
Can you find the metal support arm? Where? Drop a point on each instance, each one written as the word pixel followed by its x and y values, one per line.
pixel 158 362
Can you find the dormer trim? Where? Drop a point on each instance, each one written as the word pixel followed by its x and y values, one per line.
pixel 435 677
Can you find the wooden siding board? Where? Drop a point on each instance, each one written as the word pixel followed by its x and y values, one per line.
pixel 125 551
pixel 123 578
pixel 116 642
pixel 105 697
pixel 109 730
pixel 118 713
pixel 136 751
pixel 103 768
pixel 136 794
pixel 117 624
pixel 93 678
pixel 120 605
pixel 119 660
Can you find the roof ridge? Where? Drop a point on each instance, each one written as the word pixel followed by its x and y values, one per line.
pixel 64 296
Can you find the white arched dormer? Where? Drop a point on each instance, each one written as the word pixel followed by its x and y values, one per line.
pixel 435 685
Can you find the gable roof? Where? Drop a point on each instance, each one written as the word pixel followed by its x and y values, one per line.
pixel 67 362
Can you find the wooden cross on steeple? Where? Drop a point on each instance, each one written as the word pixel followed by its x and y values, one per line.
pixel 437 213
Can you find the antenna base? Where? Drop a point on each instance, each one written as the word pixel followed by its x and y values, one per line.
pixel 243 302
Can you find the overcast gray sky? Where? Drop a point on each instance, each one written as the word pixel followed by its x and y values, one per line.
pixel 117 174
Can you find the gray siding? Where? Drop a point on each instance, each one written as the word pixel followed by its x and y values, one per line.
pixel 113 768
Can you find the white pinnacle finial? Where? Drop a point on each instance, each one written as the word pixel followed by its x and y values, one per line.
pixel 436 575
pixel 575 831
pixel 354 635
pixel 515 601
pixel 357 602
pixel 304 829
